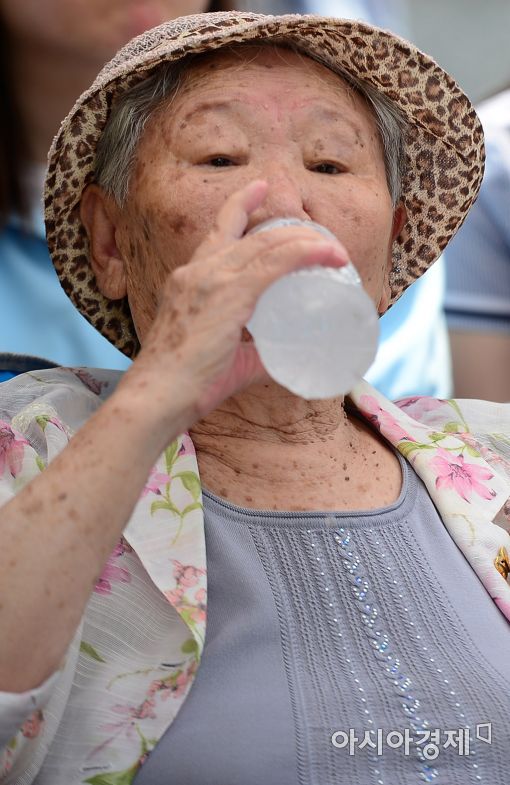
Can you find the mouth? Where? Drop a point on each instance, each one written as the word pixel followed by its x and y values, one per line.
pixel 246 336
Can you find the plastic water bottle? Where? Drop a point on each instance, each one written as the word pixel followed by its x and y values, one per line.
pixel 315 329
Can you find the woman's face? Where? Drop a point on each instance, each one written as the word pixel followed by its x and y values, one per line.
pixel 89 28
pixel 256 114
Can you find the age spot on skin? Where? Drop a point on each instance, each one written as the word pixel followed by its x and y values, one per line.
pixel 177 224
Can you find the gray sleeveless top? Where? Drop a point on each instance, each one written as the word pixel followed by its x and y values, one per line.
pixel 342 648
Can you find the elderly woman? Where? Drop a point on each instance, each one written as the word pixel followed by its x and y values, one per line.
pixel 355 551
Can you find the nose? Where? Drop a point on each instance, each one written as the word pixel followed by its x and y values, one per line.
pixel 286 197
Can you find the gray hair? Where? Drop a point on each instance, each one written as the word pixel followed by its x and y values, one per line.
pixel 117 147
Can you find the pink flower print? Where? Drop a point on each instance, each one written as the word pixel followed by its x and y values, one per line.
pixel 486 452
pixel 198 611
pixel 43 419
pixel 462 477
pixel 6 760
pixel 113 572
pixel 187 447
pixel 31 728
pixel 186 575
pixel 174 686
pixel 178 686
pixel 11 450
pixel 470 440
pixel 156 686
pixel 382 420
pixel 155 482
pixel 92 384
pixel 175 597
pixel 146 710
pixel 419 405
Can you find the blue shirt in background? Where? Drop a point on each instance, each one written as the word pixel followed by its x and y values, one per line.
pixel 478 258
pixel 37 317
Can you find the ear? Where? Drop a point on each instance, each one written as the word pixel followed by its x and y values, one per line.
pixel 99 215
pixel 399 219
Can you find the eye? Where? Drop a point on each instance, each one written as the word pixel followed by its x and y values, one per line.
pixel 220 161
pixel 327 168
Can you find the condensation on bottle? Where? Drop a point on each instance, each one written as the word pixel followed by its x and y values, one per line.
pixel 315 329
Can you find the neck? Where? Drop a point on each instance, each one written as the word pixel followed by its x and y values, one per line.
pixel 266 448
pixel 265 425
pixel 269 414
pixel 46 83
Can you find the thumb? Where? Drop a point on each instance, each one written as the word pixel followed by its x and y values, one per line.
pixel 234 215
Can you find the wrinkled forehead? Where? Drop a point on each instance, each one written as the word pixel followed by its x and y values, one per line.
pixel 235 67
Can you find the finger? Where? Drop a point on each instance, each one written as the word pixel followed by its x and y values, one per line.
pixel 284 259
pixel 249 267
pixel 234 290
pixel 234 215
pixel 285 235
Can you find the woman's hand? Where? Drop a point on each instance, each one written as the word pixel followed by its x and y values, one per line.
pixel 197 333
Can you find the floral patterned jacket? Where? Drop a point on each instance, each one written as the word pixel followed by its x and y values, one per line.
pixel 136 652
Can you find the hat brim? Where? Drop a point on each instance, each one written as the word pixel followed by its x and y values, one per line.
pixel 445 152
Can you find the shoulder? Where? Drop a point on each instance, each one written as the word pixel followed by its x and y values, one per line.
pixel 63 397
pixel 39 413
pixel 482 426
pixel 455 414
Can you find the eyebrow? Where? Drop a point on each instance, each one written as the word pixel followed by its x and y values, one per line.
pixel 208 105
pixel 333 115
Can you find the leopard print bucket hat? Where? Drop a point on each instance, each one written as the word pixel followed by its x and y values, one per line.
pixel 444 148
